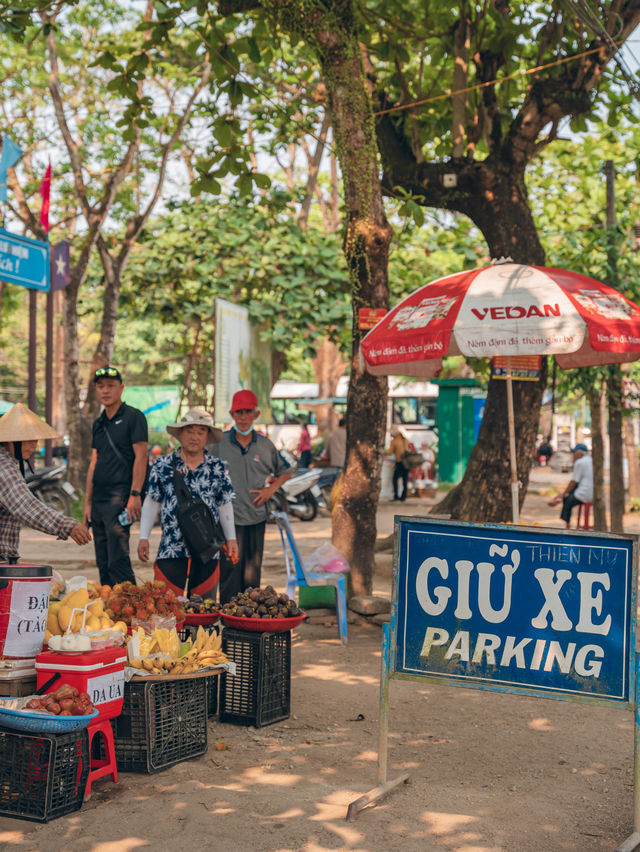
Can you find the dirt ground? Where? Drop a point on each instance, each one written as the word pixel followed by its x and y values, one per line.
pixel 488 771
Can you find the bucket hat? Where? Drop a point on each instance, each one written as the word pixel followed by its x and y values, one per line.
pixel 22 424
pixel 196 417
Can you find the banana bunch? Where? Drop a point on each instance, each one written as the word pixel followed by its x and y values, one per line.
pixel 162 653
pixel 205 651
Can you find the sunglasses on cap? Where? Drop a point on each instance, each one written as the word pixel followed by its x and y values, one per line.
pixel 107 373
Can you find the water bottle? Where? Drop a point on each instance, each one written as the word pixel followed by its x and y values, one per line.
pixel 123 518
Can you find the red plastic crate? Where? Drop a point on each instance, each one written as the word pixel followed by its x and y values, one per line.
pixel 99 673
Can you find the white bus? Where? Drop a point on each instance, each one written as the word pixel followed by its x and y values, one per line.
pixel 411 405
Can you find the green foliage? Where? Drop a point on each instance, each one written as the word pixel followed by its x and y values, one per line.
pixel 567 191
pixel 413 51
pixel 255 254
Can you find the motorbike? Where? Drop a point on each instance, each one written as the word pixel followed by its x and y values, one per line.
pixel 300 495
pixel 48 484
pixel 328 476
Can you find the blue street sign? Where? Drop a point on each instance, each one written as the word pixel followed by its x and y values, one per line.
pixel 24 261
pixel 516 610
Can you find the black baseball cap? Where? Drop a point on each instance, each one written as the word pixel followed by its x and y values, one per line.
pixel 107 373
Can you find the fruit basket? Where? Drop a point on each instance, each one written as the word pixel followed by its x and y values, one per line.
pixel 262 625
pixel 43 723
pixel 206 619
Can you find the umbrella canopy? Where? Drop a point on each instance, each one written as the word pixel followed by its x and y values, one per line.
pixel 505 309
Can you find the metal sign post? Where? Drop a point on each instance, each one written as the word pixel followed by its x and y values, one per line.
pixel 545 613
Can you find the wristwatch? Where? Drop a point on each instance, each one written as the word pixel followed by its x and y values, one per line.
pixel 135 493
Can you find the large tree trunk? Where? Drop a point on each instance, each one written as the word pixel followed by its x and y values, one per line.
pixel 78 428
pixel 484 495
pixel 616 475
pixel 597 456
pixel 329 367
pixel 502 213
pixel 366 245
pixel 493 195
pixel 631 454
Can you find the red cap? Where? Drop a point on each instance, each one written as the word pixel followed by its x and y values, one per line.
pixel 244 399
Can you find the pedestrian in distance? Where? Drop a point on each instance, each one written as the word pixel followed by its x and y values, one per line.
pixel 20 431
pixel 206 479
pixel 115 477
pixel 398 447
pixel 304 447
pixel 336 449
pixel 580 488
pixel 544 452
pixel 256 470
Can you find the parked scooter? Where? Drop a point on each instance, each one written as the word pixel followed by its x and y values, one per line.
pixel 48 484
pixel 328 476
pixel 299 496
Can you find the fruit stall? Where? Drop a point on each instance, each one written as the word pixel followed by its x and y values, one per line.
pixel 96 680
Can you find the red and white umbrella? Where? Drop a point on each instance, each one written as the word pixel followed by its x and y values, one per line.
pixel 505 309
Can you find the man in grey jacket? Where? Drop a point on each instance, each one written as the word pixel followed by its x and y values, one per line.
pixel 256 470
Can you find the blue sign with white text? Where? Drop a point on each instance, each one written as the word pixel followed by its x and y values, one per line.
pixel 515 609
pixel 24 261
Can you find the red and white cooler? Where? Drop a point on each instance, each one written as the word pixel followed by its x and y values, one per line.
pixel 98 673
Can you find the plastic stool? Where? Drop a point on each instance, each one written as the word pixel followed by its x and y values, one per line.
pixel 587 509
pixel 100 768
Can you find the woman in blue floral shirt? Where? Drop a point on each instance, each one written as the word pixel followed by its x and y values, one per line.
pixel 206 478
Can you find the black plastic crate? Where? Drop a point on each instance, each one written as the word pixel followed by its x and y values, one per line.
pixel 212 695
pixel 42 776
pixel 260 691
pixel 162 723
pixel 189 631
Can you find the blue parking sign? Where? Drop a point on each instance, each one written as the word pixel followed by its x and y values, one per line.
pixel 515 609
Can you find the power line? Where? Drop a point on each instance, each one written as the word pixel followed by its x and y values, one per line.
pixel 522 73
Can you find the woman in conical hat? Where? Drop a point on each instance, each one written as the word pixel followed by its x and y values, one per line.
pixel 20 431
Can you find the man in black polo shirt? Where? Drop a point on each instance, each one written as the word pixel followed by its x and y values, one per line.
pixel 115 477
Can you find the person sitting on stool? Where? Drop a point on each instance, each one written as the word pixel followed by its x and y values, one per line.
pixel 580 489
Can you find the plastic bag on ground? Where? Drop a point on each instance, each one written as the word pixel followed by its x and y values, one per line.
pixel 329 559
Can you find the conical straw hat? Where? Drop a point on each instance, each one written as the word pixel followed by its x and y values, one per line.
pixel 21 424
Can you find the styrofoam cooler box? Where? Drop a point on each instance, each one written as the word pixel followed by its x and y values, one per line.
pixel 98 673
pixel 17 678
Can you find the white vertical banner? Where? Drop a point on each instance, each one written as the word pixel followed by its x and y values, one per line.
pixel 233 355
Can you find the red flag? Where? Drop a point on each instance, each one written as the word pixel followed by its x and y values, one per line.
pixel 45 192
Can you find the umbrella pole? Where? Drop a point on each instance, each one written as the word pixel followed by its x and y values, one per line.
pixel 515 496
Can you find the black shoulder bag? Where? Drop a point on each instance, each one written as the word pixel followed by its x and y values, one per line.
pixel 123 461
pixel 201 531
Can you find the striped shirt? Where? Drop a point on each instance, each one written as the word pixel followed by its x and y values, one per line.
pixel 19 507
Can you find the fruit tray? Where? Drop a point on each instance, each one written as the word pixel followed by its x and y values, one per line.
pixel 262 625
pixel 41 723
pixel 206 619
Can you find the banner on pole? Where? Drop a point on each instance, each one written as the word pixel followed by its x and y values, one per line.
pixel 61 266
pixel 241 360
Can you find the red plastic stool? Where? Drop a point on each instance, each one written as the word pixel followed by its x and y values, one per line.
pixel 587 509
pixel 100 768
